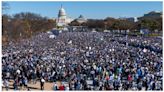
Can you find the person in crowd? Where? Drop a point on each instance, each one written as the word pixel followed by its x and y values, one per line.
pixel 42 81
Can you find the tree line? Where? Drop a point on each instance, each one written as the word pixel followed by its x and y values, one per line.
pixel 149 21
pixel 24 25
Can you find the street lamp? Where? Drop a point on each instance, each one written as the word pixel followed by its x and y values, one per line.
pixel 127 31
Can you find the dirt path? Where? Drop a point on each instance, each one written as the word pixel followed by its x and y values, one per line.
pixel 48 86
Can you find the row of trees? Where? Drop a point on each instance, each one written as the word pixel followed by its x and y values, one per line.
pixel 146 22
pixel 24 25
pixel 151 23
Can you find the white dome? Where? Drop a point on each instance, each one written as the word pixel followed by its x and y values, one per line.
pixel 62 12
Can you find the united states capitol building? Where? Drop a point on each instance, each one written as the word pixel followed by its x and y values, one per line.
pixel 63 19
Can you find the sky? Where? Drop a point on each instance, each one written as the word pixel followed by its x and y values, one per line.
pixel 93 10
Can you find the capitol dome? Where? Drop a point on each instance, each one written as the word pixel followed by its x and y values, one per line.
pixel 62 19
pixel 62 12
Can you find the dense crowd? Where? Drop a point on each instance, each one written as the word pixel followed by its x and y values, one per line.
pixel 84 61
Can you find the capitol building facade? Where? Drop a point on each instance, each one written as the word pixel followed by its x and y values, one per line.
pixel 63 20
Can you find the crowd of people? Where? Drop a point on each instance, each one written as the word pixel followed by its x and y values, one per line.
pixel 84 61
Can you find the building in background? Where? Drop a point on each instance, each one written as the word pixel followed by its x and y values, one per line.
pixel 62 20
pixel 131 19
pixel 153 14
pixel 81 19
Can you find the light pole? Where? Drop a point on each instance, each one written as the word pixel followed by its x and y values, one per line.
pixel 127 31
pixel 105 25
